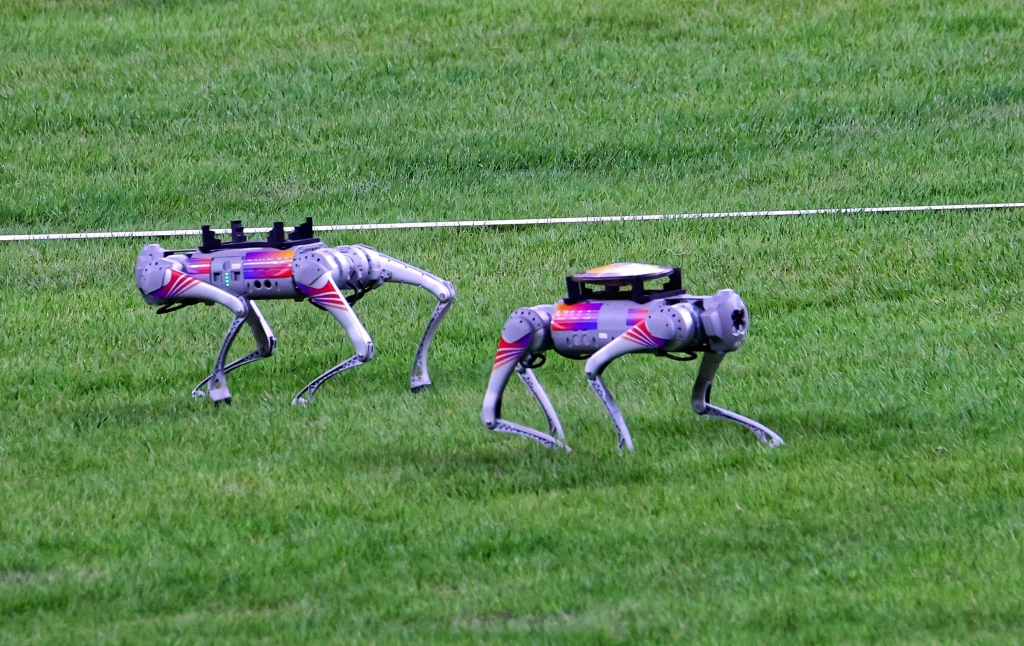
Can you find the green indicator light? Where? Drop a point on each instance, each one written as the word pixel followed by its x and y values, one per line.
pixel 227 279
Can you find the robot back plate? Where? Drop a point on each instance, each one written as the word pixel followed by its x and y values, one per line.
pixel 623 281
pixel 621 273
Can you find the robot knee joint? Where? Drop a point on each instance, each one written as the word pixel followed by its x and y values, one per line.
pixel 268 349
pixel 367 354
pixel 593 370
pixel 449 296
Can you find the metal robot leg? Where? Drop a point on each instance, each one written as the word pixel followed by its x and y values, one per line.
pixel 702 405
pixel 218 388
pixel 420 378
pixel 528 378
pixel 597 384
pixel 325 293
pixel 266 342
pixel 393 270
pixel 163 283
pixel 636 339
pixel 525 334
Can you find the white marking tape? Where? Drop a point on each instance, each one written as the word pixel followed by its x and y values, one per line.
pixel 523 222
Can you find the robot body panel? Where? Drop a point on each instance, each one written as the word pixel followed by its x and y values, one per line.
pixel 578 330
pixel 263 274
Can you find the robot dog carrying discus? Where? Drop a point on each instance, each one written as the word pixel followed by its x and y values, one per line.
pixel 620 318
pixel 239 272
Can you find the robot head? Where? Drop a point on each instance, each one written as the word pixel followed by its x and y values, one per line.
pixel 725 319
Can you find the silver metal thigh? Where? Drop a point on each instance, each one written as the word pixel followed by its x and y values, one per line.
pixel 163 283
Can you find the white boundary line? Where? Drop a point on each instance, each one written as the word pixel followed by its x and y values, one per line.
pixel 457 224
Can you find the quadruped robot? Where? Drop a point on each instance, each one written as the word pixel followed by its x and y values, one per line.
pixel 235 274
pixel 621 317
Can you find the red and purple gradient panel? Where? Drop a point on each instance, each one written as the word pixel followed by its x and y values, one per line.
pixel 575 318
pixel 509 352
pixel 268 264
pixel 327 296
pixel 198 267
pixel 635 314
pixel 640 335
pixel 177 286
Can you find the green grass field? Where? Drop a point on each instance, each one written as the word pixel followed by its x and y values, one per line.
pixel 886 350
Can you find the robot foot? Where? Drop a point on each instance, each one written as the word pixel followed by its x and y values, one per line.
pixel 505 426
pixel 763 433
pixel 306 394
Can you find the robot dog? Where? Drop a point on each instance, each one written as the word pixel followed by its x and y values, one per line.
pixel 621 317
pixel 239 272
